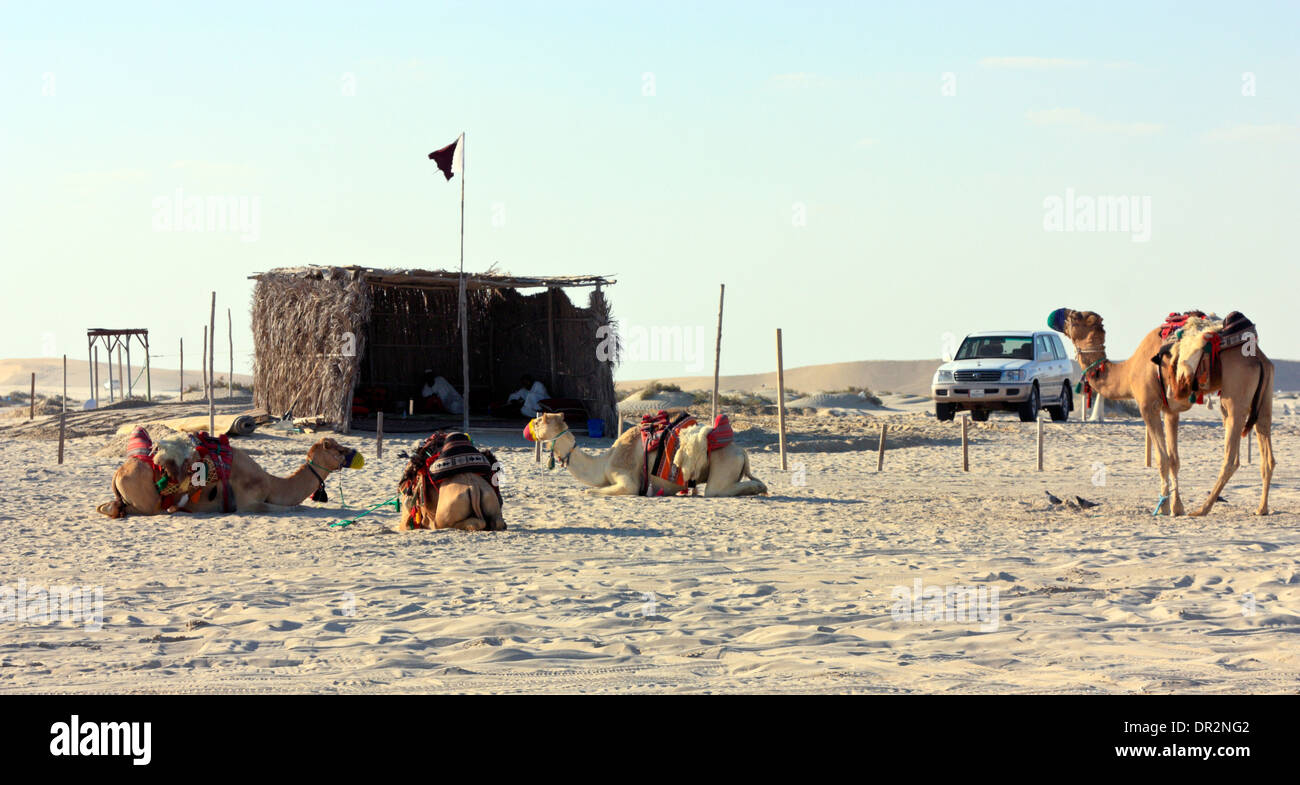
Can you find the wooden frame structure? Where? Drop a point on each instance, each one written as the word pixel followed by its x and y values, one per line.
pixel 117 339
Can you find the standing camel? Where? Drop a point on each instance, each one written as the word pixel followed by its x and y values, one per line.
pixel 1244 382
pixel 619 470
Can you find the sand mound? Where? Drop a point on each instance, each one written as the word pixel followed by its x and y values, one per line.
pixel 834 401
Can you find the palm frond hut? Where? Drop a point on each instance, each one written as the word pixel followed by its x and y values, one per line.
pixel 322 333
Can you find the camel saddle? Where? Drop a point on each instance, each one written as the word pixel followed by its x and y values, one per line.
pixel 218 455
pixel 445 455
pixel 140 447
pixel 660 438
pixel 1233 331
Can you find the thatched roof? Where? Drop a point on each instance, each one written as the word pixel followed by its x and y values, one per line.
pixel 441 279
pixel 322 332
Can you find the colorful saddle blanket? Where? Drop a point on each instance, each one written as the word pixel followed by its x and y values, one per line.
pixel 660 438
pixel 217 453
pixel 443 456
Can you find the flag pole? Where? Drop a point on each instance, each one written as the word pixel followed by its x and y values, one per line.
pixel 464 317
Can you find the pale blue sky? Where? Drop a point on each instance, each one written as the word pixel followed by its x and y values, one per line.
pixel 924 211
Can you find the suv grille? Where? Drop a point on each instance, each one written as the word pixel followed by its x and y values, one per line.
pixel 977 376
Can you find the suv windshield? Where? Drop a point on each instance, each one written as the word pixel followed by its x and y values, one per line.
pixel 1001 347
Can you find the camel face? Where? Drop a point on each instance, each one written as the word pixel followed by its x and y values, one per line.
pixel 332 456
pixel 545 427
pixel 1083 328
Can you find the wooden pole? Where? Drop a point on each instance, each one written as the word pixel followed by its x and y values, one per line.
pixel 1147 432
pixel 204 366
pixel 63 412
pixel 95 366
pixel 464 305
pixel 121 374
pixel 94 372
pixel 410 407
pixel 148 371
pixel 182 369
pixel 965 442
pixel 127 377
pixel 1040 444
pixel 109 351
pixel 212 366
pixel 31 402
pixel 230 335
pixel 717 359
pixel 880 456
pixel 780 394
pixel 550 337
pixel 379 435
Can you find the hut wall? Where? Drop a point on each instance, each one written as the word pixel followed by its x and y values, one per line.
pixel 305 361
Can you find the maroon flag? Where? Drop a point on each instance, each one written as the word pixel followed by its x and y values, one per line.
pixel 450 159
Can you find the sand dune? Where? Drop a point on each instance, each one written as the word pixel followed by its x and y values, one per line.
pixel 900 376
pixel 15 375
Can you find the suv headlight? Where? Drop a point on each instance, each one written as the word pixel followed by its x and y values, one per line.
pixel 1013 376
pixel 942 377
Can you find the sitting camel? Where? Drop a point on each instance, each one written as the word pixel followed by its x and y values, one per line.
pixel 137 483
pixel 1243 380
pixel 447 485
pixel 619 471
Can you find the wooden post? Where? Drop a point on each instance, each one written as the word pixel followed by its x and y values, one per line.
pixel 379 435
pixel 537 450
pixel 121 374
pixel 230 334
pixel 95 373
pixel 204 366
pixel 550 337
pixel 880 456
pixel 63 411
pixel 148 371
pixel 1147 432
pixel 1040 444
pixel 90 358
pixel 780 394
pixel 717 358
pixel 410 407
pixel 965 442
pixel 182 369
pixel 212 366
pixel 31 402
pixel 127 376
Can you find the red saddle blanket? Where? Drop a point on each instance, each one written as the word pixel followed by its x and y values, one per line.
pixel 660 440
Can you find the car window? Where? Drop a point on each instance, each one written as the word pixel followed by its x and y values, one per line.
pixel 1060 347
pixel 996 347
pixel 1045 351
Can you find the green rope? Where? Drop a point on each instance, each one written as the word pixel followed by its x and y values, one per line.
pixel 349 521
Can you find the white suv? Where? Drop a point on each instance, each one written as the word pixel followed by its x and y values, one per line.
pixel 1013 370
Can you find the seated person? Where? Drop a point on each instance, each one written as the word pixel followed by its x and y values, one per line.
pixel 530 393
pixel 437 395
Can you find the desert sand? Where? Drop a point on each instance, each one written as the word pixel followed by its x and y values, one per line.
pixel 791 592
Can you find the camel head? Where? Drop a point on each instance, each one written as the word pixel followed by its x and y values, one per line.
pixel 1083 328
pixel 545 427
pixel 174 456
pixel 331 456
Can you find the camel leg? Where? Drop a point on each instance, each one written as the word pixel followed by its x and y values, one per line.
pixel 1264 430
pixel 1151 416
pixel 1231 452
pixel 622 485
pixel 1171 444
pixel 742 488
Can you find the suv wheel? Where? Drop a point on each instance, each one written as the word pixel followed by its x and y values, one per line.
pixel 1061 411
pixel 979 415
pixel 1029 409
pixel 945 411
